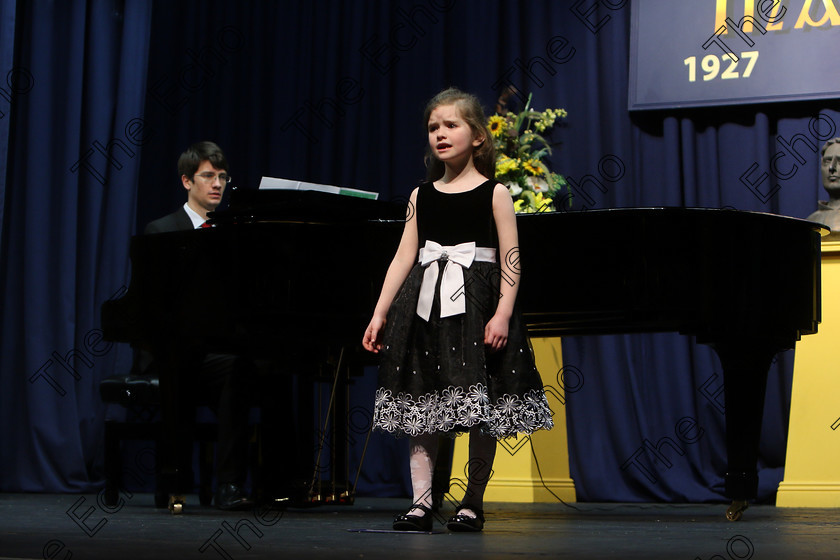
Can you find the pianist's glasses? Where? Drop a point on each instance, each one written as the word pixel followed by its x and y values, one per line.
pixel 210 177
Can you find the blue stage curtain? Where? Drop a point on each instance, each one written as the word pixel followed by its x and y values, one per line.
pixel 69 211
pixel 7 62
pixel 333 92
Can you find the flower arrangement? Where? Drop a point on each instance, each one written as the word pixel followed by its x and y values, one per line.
pixel 520 151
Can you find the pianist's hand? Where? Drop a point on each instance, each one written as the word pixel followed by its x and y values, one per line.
pixel 372 340
pixel 496 332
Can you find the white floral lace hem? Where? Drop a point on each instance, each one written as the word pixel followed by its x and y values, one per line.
pixel 456 408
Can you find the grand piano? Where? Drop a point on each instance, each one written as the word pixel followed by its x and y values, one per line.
pixel 299 271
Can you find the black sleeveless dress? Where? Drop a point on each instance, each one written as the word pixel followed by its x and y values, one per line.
pixel 435 376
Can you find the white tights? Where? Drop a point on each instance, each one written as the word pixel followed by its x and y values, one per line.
pixel 422 455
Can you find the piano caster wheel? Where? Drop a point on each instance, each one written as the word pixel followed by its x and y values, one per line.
pixel 736 509
pixel 281 503
pixel 176 504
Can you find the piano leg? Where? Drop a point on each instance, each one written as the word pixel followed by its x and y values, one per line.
pixel 745 365
pixel 336 432
pixel 176 417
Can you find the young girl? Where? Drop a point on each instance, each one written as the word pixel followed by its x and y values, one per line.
pixel 454 352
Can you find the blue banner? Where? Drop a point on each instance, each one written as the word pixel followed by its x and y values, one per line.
pixel 723 52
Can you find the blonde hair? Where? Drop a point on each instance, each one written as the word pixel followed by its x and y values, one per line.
pixel 484 156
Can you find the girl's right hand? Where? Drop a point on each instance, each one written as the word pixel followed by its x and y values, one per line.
pixel 372 340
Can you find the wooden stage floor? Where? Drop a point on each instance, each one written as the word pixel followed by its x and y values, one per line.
pixel 78 527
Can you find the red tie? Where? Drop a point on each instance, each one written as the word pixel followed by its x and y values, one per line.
pixel 205 224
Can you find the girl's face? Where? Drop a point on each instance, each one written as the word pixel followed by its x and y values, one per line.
pixel 450 137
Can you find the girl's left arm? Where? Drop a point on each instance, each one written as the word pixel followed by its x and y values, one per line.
pixel 496 331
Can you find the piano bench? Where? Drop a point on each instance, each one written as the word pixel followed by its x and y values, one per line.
pixel 140 394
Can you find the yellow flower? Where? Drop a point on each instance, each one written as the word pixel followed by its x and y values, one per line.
pixel 542 202
pixel 532 167
pixel 518 205
pixel 496 125
pixel 505 164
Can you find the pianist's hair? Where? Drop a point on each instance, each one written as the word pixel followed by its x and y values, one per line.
pixel 484 156
pixel 191 159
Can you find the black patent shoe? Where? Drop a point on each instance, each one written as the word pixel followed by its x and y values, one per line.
pixel 461 523
pixel 406 522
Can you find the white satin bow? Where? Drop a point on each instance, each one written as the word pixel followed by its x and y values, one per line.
pixel 452 295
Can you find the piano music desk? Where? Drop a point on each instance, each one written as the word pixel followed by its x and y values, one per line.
pixel 812 478
pixel 517 476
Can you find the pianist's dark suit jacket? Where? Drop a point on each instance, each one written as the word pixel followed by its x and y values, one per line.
pixel 176 221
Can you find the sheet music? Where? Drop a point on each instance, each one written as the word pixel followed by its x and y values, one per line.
pixel 268 183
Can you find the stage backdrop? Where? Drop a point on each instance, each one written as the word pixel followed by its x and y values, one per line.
pixel 103 97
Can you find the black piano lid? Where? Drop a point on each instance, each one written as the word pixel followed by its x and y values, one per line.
pixel 675 212
pixel 670 268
